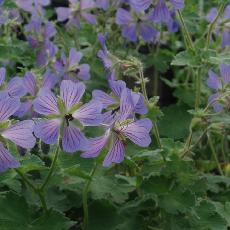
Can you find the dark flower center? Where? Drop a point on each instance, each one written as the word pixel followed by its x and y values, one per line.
pixel 77 71
pixel 114 111
pixel 68 118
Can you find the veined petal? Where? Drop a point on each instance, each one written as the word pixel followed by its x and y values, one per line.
pixel 7 161
pixel 140 5
pixel 49 80
pixel 123 17
pixel 16 88
pixel 104 98
pixel 215 104
pixel 21 134
pixel 139 103
pixel 225 73
pixel 2 75
pixel 46 103
pixel 84 73
pixel 117 87
pixel 213 81
pixel 95 146
pixel 71 93
pixel 24 109
pixel 8 107
pixel 148 33
pixel 116 153
pixel 74 140
pixel 29 82
pixel 130 32
pixel 74 57
pixel 138 131
pixel 103 4
pixel 161 12
pixel 177 4
pixel 48 130
pixel 89 113
pixel 126 105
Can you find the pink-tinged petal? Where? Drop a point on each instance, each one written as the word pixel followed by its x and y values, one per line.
pixel 74 140
pixel 74 58
pixel 139 103
pixel 104 98
pixel 24 109
pixel 213 99
pixel 46 103
pixel 116 153
pixel 89 113
pixel 21 134
pixel 138 132
pixel 213 80
pixel 49 80
pixel 48 130
pixel 126 105
pixel 2 75
pixel 7 161
pixel 29 82
pixel 225 73
pixel 84 72
pixel 123 17
pixel 71 93
pixel 8 107
pixel 87 4
pixel 130 32
pixel 90 18
pixel 117 87
pixel 16 87
pixel 63 13
pixel 96 145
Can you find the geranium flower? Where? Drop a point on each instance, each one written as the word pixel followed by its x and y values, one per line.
pixel 33 88
pixel 76 10
pixel 135 24
pixel 20 133
pixel 69 68
pixel 14 88
pixel 222 29
pixel 65 115
pixel 219 84
pixel 124 126
pixel 113 101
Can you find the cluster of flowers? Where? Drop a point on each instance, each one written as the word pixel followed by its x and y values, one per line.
pixel 223 25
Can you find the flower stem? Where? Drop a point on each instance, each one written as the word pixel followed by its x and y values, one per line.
pixel 187 37
pixel 51 168
pixel 213 24
pixel 198 89
pixel 85 198
pixel 36 190
pixel 215 155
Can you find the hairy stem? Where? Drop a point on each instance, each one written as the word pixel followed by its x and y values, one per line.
pixel 85 198
pixel 198 89
pixel 51 168
pixel 213 24
pixel 186 34
pixel 215 155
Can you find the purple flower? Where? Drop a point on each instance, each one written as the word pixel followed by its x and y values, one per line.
pixel 222 28
pixel 14 88
pixel 140 5
pixel 105 4
pixel 121 128
pixel 76 10
pixel 39 37
pixel 20 133
pixel 33 88
pixel 113 101
pixel 6 14
pixel 66 116
pixel 69 68
pixel 219 84
pixel 134 24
